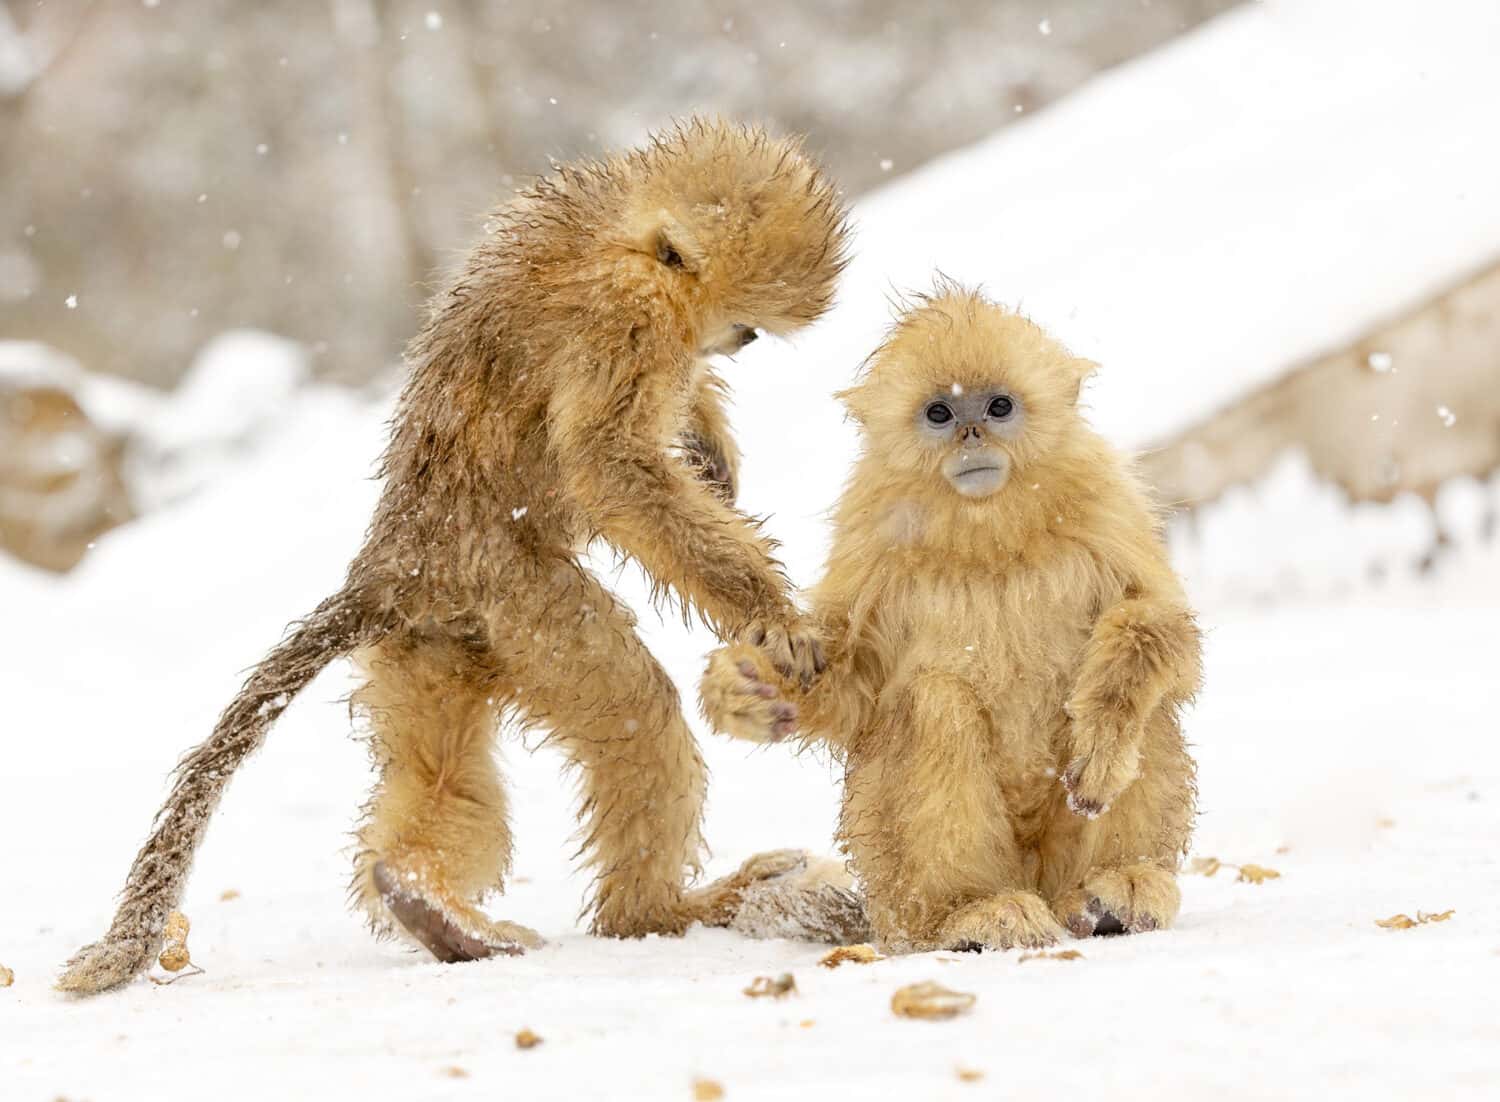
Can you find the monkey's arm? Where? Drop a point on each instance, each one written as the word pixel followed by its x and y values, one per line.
pixel 1143 655
pixel 708 444
pixel 606 431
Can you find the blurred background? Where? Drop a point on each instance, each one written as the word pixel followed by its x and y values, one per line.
pixel 269 191
pixel 1274 224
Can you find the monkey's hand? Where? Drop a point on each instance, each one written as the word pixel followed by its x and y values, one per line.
pixel 793 648
pixel 1105 760
pixel 738 696
pixel 713 464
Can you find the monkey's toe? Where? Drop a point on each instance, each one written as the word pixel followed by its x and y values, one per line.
pixel 450 937
pixel 105 964
pixel 1132 900
pixel 1011 920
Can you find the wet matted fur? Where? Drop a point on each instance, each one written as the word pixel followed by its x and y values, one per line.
pixel 554 392
pixel 1006 666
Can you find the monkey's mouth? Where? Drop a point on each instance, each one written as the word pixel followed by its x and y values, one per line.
pixel 977 475
pixel 731 342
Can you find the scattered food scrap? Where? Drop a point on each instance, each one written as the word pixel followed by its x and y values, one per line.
pixel 1061 954
pixel 706 1090
pixel 527 1039
pixel 779 987
pixel 174 955
pixel 229 894
pixel 455 1072
pixel 970 1075
pixel 7 977
pixel 930 1000
pixel 856 954
pixel 1248 874
pixel 1406 922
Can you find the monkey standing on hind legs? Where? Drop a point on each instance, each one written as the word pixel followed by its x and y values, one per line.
pixel 1008 653
pixel 548 391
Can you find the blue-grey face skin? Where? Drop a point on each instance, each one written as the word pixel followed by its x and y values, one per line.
pixel 969 427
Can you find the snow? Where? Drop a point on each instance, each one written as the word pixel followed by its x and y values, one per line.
pixel 1260 191
pixel 1349 745
pixel 1346 737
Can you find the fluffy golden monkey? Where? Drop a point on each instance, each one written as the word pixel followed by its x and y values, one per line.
pixel 553 393
pixel 1008 651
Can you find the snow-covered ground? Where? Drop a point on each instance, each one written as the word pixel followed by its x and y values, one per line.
pixel 1348 743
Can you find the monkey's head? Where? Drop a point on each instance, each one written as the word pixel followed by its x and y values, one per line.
pixel 966 394
pixel 741 225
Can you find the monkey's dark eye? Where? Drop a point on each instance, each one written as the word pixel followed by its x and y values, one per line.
pixel 939 414
pixel 667 254
pixel 1001 407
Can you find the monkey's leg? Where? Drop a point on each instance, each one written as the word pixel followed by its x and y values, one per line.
pixel 924 816
pixel 436 834
pixel 582 672
pixel 1117 874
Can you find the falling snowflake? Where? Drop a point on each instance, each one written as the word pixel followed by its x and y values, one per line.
pixel 434 21
pixel 71 302
pixel 517 514
pixel 1379 361
pixel 1045 26
pixel 886 164
pixel 1446 416
pixel 231 239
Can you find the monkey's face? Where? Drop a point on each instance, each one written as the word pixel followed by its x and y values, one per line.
pixel 969 429
pixel 966 395
pixel 742 227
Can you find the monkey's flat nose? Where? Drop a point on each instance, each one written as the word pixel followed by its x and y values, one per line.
pixel 969 432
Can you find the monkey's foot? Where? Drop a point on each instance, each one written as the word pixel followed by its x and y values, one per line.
pixel 789 894
pixel 106 963
pixel 450 930
pixel 1130 900
pixel 1010 920
pixel 739 699
pixel 716 904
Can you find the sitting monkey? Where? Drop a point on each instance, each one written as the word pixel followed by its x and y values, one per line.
pixel 1008 651
pixel 554 394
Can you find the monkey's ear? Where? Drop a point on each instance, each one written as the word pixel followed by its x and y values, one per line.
pixel 1082 370
pixel 849 399
pixel 675 247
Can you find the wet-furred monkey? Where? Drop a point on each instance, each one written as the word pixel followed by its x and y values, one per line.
pixel 559 392
pixel 1008 651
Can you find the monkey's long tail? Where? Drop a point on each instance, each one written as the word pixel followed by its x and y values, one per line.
pixel 159 874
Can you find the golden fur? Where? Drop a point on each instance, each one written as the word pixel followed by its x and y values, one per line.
pixel 552 395
pixel 1005 672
